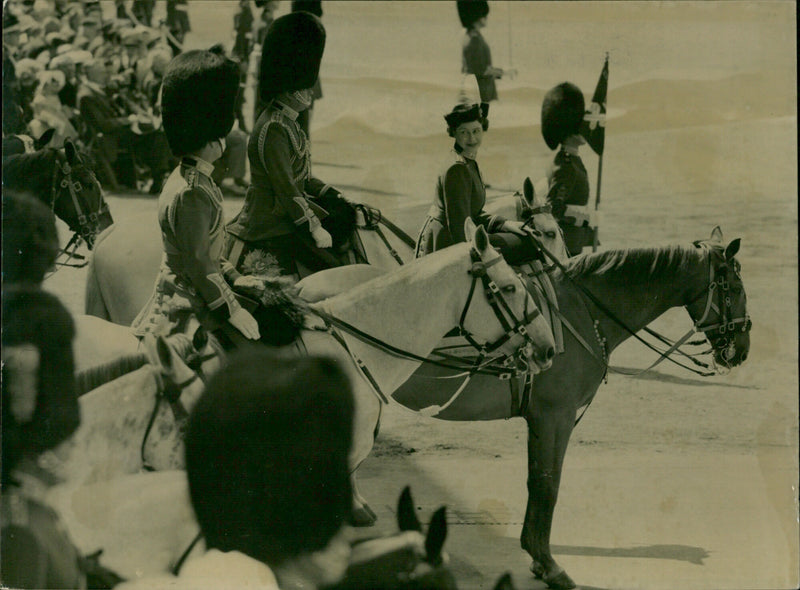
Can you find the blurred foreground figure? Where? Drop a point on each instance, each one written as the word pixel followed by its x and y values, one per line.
pixel 267 462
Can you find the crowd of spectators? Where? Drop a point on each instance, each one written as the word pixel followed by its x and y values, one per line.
pixel 96 78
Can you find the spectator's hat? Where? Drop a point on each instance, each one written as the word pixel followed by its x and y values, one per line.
pixel 64 59
pixel 562 113
pixel 198 98
pixel 466 113
pixel 11 23
pixel 27 67
pixel 92 19
pixel 47 76
pixel 64 49
pixel 471 10
pixel 291 54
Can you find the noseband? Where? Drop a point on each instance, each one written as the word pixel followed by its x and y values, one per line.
pixel 720 330
pixel 512 325
pixel 88 223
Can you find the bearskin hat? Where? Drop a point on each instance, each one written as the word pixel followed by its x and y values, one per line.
pixel 198 97
pixel 312 6
pixel 471 10
pixel 291 54
pixel 465 113
pixel 562 113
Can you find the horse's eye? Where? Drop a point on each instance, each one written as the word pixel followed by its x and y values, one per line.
pixel 551 234
pixel 509 289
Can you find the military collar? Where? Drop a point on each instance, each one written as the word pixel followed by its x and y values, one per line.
pixel 203 167
pixel 285 110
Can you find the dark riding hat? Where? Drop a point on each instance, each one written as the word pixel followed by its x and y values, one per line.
pixel 470 11
pixel 267 455
pixel 562 113
pixel 198 97
pixel 466 113
pixel 291 54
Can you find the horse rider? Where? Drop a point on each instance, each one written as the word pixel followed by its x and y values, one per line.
pixel 460 192
pixel 272 506
pixel 279 229
pixel 40 403
pixel 198 98
pixel 568 183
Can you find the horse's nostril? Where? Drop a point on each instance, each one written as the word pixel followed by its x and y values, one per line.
pixel 550 353
pixel 744 356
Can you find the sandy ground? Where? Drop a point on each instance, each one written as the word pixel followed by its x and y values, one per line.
pixel 671 480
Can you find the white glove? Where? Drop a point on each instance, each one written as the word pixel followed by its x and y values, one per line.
pixel 249 282
pixel 514 227
pixel 245 323
pixel 321 237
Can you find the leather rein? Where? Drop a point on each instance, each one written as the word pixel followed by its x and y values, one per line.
pixel 715 332
pixel 503 366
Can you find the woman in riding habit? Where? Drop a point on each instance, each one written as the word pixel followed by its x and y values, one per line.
pixel 279 230
pixel 198 98
pixel 460 191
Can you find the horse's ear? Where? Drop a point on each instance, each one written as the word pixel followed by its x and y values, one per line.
pixel 200 339
pixel 716 235
pixel 71 151
pixel 469 228
pixel 480 239
pixel 44 139
pixel 437 533
pixel 406 515
pixel 504 582
pixel 528 192
pixel 732 248
pixel 164 353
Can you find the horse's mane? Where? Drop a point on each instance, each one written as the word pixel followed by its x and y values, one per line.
pixel 32 172
pixel 94 377
pixel 636 264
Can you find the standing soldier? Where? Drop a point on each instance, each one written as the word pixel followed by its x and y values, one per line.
pixel 475 53
pixel 568 182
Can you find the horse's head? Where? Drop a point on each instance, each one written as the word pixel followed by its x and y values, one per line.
pixel 509 322
pixel 539 217
pixel 720 310
pixel 77 197
pixel 407 560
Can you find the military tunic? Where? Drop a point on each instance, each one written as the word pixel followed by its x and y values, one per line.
pixel 568 188
pixel 278 212
pixel 460 193
pixel 194 276
pixel 475 58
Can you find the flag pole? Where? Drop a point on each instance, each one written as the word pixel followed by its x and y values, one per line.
pixel 596 237
pixel 596 232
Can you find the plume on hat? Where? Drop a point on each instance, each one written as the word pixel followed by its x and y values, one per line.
pixel 198 97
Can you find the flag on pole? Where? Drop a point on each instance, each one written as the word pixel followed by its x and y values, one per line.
pixel 593 128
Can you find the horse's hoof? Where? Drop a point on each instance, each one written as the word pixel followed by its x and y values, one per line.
pixel 537 569
pixel 559 580
pixel 362 517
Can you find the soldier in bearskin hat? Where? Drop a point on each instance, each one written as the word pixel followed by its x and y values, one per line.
pixel 40 404
pixel 568 183
pixel 279 229
pixel 460 192
pixel 198 98
pixel 475 52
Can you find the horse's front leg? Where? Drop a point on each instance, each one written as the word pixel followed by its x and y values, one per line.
pixel 548 435
pixel 365 430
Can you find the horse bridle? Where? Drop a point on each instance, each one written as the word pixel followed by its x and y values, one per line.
pixel 719 301
pixel 87 222
pixel 501 366
pixel 512 325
